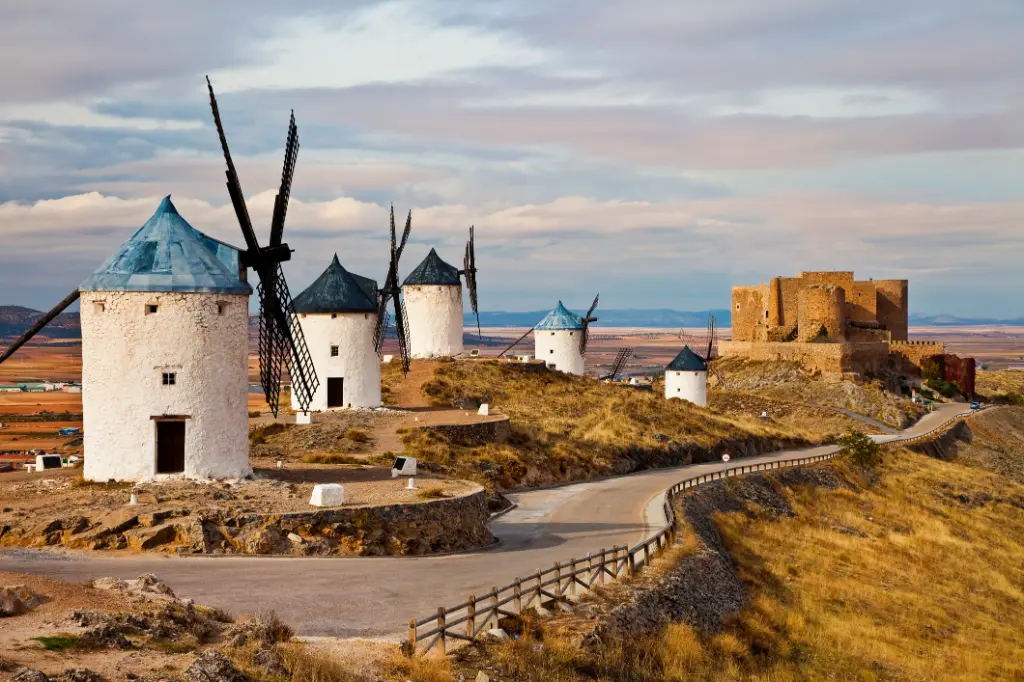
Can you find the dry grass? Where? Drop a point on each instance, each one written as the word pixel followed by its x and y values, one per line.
pixel 571 428
pixel 432 494
pixel 919 577
pixel 1005 386
pixel 997 443
pixel 786 382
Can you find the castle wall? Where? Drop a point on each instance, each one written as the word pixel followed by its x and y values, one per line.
pixel 861 302
pixel 830 359
pixel 748 306
pixel 839 278
pixel 200 337
pixel 893 306
pixel 790 301
pixel 960 372
pixel 822 306
pixel 907 356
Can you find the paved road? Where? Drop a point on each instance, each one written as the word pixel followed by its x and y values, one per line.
pixel 376 596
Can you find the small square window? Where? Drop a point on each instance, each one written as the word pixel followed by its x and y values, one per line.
pixel 100 306
pixel 552 350
pixel 220 308
pixel 571 333
pixel 169 378
pixel 151 308
pixel 334 351
pixel 334 316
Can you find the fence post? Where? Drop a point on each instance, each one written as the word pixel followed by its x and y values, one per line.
pixel 647 554
pixel 412 637
pixel 519 596
pixel 471 614
pixel 630 562
pixel 441 629
pixel 572 581
pixel 558 580
pixel 494 606
pixel 600 573
pixel 540 596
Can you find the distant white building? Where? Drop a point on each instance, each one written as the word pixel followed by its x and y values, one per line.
pixel 432 295
pixel 557 340
pixel 165 357
pixel 686 378
pixel 338 316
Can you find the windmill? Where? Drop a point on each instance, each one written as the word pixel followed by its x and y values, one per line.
pixel 469 271
pixel 393 292
pixel 281 343
pixel 586 320
pixel 621 358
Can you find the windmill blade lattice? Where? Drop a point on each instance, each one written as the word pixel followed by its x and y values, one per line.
pixel 392 292
pixel 281 342
pixel 516 342
pixel 469 270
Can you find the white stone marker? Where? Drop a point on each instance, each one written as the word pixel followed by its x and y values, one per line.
pixel 484 410
pixel 303 418
pixel 327 495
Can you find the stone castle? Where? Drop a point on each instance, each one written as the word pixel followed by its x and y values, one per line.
pixel 833 324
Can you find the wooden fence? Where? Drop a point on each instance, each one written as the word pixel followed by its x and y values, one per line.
pixel 564 581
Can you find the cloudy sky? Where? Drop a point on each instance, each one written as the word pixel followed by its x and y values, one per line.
pixel 657 151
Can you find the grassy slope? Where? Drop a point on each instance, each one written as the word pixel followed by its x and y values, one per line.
pixel 918 577
pixel 785 382
pixel 570 428
pixel 1000 386
pixel 998 443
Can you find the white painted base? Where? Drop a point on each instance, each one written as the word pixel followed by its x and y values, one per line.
pixel 327 495
pixel 434 320
pixel 692 386
pixel 303 418
pixel 560 349
pixel 484 410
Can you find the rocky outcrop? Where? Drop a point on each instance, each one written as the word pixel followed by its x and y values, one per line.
pixel 429 527
pixel 16 600
pixel 213 666
pixel 477 433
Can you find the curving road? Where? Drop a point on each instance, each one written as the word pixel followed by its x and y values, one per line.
pixel 376 596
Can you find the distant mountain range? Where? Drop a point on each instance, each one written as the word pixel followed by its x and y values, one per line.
pixel 14 320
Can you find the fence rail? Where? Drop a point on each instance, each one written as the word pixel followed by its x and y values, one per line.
pixel 564 581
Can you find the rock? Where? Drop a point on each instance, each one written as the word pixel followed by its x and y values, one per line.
pixel 264 630
pixel 154 536
pixel 16 600
pixel 295 538
pixel 79 675
pixel 481 676
pixel 213 666
pixel 270 662
pixel 29 675
pixel 541 612
pixel 108 636
pixel 327 495
pixel 497 633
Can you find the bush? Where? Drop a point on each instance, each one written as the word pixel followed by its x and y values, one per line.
pixel 930 370
pixel 863 451
pixel 944 388
pixel 357 435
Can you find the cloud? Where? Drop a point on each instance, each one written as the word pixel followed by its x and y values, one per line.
pixel 577 244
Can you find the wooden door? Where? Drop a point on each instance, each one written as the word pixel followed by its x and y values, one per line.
pixel 170 447
pixel 335 392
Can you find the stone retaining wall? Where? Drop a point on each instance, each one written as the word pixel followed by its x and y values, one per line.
pixel 477 433
pixel 429 527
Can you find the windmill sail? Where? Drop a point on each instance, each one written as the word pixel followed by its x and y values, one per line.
pixel 40 324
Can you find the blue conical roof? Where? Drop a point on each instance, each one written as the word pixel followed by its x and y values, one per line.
pixel 687 361
pixel 168 254
pixel 434 271
pixel 560 318
pixel 338 291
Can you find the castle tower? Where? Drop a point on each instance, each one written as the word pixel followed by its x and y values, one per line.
pixel 686 378
pixel 822 308
pixel 557 340
pixel 432 295
pixel 338 316
pixel 892 306
pixel 165 331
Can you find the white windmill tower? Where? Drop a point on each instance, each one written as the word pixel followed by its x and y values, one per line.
pixel 338 316
pixel 686 377
pixel 560 339
pixel 432 296
pixel 165 331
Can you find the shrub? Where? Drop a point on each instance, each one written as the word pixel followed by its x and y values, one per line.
pixel 863 451
pixel 331 458
pixel 432 494
pixel 357 435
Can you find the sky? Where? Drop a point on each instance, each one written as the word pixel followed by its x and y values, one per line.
pixel 655 151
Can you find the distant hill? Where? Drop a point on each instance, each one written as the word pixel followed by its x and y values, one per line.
pixel 15 320
pixel 609 317
pixel 953 321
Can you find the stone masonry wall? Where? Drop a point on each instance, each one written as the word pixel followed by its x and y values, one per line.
pixel 479 433
pixel 822 306
pixel 831 359
pixel 907 356
pixel 747 311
